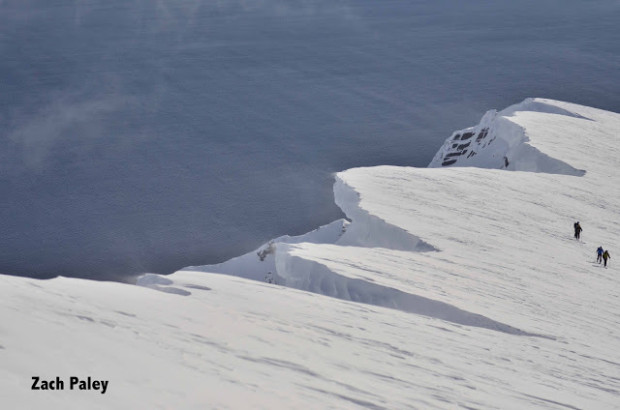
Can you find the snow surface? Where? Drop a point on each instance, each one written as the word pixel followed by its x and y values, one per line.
pixel 456 286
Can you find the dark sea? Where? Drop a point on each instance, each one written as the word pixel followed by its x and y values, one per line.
pixel 148 135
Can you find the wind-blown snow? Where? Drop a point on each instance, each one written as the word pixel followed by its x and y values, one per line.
pixel 452 286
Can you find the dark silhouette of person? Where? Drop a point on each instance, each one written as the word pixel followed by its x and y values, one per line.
pixel 577 230
pixel 599 254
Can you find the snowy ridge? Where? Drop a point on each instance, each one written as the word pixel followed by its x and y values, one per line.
pixel 260 264
pixel 490 144
pixel 478 224
pixel 451 287
pixel 416 195
pixel 498 142
pixel 368 230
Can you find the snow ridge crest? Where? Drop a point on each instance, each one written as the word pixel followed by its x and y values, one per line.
pixel 369 230
pixel 498 142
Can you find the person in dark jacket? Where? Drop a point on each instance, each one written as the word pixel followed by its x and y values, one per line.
pixel 599 254
pixel 577 230
pixel 606 256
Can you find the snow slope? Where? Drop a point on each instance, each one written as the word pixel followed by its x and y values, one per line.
pixel 456 286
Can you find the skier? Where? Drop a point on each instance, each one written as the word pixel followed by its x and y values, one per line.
pixel 606 256
pixel 577 230
pixel 599 254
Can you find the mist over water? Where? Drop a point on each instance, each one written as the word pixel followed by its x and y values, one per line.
pixel 145 136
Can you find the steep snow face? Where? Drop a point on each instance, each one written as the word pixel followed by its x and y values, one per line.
pixel 368 230
pixel 498 141
pixel 259 264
